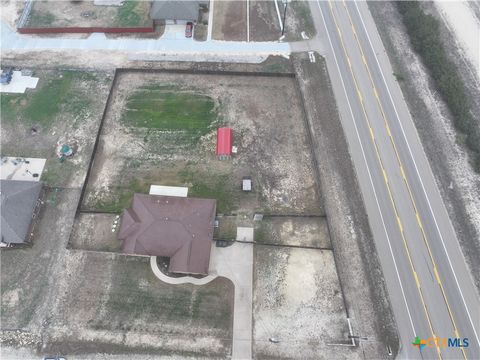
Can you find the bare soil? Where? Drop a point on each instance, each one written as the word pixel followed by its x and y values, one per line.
pixel 298 300
pixel 230 21
pixel 96 232
pixel 298 20
pixel 309 232
pixel 264 24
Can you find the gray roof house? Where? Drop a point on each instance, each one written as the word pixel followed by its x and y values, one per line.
pixel 176 10
pixel 18 203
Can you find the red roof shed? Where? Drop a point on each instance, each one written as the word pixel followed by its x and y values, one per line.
pixel 224 141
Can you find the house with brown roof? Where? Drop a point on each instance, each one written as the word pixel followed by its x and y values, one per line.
pixel 176 227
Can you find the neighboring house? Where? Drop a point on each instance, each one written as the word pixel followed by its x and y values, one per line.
pixel 176 227
pixel 18 208
pixel 176 12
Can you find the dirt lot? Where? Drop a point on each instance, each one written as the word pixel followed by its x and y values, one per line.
pixel 86 14
pixel 298 19
pixel 264 24
pixel 293 231
pixel 72 118
pixel 297 299
pixel 230 20
pixel 143 143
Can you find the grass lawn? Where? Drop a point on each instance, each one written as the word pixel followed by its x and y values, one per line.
pixel 135 293
pixel 213 186
pixel 169 109
pixel 126 14
pixel 201 185
pixel 41 105
pixel 125 196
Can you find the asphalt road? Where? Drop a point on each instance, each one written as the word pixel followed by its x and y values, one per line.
pixel 430 287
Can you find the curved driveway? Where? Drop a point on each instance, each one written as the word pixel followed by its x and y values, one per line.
pixel 235 263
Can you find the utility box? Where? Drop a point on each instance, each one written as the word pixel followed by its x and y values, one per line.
pixel 247 184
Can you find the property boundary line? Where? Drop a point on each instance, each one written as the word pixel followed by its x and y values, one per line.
pixel 116 75
pixel 95 145
pixel 308 127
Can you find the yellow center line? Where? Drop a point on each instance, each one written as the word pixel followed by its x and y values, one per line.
pixel 392 200
pixel 419 221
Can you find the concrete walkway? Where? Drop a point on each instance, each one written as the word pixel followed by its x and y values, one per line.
pixel 181 280
pixel 235 263
pixel 179 49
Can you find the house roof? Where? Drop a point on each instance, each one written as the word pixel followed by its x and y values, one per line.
pixel 224 141
pixel 18 200
pixel 175 227
pixel 176 10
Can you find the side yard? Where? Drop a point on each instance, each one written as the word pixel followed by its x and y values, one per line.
pixel 298 301
pixel 35 126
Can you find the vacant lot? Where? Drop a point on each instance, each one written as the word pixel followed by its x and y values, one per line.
pixel 160 129
pixel 264 25
pixel 230 20
pixel 85 14
pixel 66 107
pixel 297 299
pixel 298 20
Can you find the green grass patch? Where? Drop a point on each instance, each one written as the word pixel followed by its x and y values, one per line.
pixel 164 109
pixel 40 19
pixel 227 229
pixel 57 173
pixel 126 14
pixel 42 105
pixel 123 196
pixel 276 68
pixel 218 187
pixel 137 294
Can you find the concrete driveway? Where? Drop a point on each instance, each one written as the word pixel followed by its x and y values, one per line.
pixel 235 263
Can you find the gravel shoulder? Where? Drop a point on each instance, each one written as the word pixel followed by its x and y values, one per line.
pixel 459 185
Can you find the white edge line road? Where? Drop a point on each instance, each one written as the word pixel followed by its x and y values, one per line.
pixel 369 174
pixel 417 172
